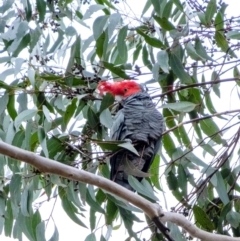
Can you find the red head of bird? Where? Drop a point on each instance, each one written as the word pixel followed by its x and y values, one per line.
pixel 121 89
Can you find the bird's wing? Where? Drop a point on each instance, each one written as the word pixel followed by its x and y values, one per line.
pixel 117 127
pixel 140 122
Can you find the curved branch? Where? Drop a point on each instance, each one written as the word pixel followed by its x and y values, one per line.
pixel 181 221
pixel 152 210
pixel 214 82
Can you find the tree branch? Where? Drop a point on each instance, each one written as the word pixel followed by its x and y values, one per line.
pixel 199 119
pixel 153 210
pixel 181 221
pixel 195 85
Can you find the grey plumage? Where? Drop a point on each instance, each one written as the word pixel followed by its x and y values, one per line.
pixel 137 120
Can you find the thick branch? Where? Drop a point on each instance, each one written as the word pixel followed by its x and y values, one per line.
pixel 151 209
pixel 181 221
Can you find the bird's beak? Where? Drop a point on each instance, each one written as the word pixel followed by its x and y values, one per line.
pixel 118 98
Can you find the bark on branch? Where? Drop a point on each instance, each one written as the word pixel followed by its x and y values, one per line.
pixel 153 210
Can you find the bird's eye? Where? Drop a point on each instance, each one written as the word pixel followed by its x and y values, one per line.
pixel 125 90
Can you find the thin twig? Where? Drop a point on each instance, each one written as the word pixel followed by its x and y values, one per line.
pixel 199 119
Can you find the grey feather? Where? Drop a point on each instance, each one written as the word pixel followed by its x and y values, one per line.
pixel 140 121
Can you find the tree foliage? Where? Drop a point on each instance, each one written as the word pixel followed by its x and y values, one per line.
pixel 53 55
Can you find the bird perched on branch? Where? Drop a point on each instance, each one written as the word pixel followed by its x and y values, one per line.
pixel 137 121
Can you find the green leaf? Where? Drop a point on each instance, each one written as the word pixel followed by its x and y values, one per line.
pixel 92 219
pixel 15 191
pixel 137 52
pixel 221 189
pixel 92 118
pixel 106 118
pixel 116 70
pixel 233 34
pixel 70 111
pixel 106 102
pixel 70 31
pixel 221 41
pixel 209 104
pixel 178 4
pixel 172 181
pixel 167 10
pixel 75 57
pixel 69 208
pixel 219 21
pixel 156 6
pixel 114 21
pixel 6 5
pixel 4 101
pixel 41 7
pixel 233 218
pixel 237 205
pixel 99 26
pixel 90 237
pixel 8 224
pixel 138 186
pixel 184 137
pixel 202 219
pixel 192 158
pixel 28 11
pixel 145 59
pixel 122 203
pixel 43 140
pixel 26 226
pixel 223 44
pixel 168 144
pixel 182 179
pixel 92 9
pixel 40 231
pixel 18 139
pixel 192 52
pixel 154 172
pixel 121 44
pixel 54 146
pixel 178 69
pixel 22 45
pixel 100 44
pixel 111 212
pixel 24 116
pixel 22 30
pixel 200 50
pixel 34 35
pixel 76 50
pixel 90 199
pixel 26 203
pixel 58 42
pixel 170 122
pixel 128 146
pixel 182 106
pixel 146 7
pixel 210 11
pixel 128 218
pixel 210 128
pixel 164 23
pixel 163 59
pixel 2 211
pixel 154 42
pixel 55 236
pixel 108 145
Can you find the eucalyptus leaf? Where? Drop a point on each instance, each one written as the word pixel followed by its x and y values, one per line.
pixel 182 106
pixel 24 116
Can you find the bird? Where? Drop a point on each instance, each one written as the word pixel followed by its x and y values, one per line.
pixel 137 121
